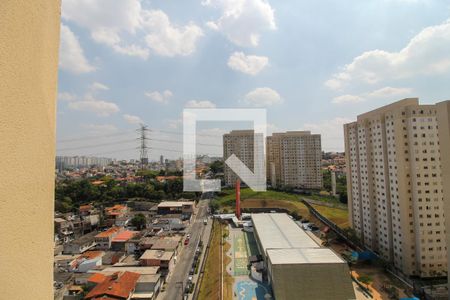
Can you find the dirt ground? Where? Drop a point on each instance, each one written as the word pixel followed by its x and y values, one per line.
pixel 377 274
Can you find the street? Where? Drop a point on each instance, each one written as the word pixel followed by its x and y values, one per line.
pixel 178 278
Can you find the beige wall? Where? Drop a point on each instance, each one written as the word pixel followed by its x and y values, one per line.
pixel 29 38
pixel 443 109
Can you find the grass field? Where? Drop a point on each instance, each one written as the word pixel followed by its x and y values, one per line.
pixel 210 286
pixel 336 215
pixel 290 202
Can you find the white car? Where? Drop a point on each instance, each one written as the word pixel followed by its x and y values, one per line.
pixel 188 236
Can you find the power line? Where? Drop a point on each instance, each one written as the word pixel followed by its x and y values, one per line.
pixel 92 137
pixel 97 145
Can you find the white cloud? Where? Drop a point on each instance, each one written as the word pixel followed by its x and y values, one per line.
pixel 386 92
pixel 248 64
pixel 129 29
pixel 94 14
pixel 425 54
pixel 167 39
pixel 161 97
pixel 200 104
pixel 71 55
pixel 347 99
pixel 132 119
pixel 132 50
pixel 242 21
pixel 99 128
pixel 389 92
pixel 261 97
pixel 99 107
pixel 331 131
pixel 65 96
pixel 97 86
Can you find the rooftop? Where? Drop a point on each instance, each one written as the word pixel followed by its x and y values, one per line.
pixel 140 270
pixel 85 239
pixel 149 278
pixel 175 203
pixel 303 256
pixel 165 244
pixel 115 285
pixel 124 236
pixel 278 231
pixel 97 278
pixel 157 254
pixel 108 232
pixel 91 254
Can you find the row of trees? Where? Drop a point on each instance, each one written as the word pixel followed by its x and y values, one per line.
pixel 70 194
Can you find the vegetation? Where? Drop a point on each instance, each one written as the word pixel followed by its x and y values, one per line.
pixel 336 215
pixel 211 282
pixel 70 194
pixel 276 199
pixel 139 221
pixel 216 166
pixel 341 185
pixel 365 279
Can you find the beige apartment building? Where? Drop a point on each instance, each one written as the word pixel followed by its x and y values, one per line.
pixel 242 144
pixel 395 185
pixel 294 159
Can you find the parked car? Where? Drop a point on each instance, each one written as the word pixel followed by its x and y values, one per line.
pixel 313 227
pixel 186 242
pixel 205 222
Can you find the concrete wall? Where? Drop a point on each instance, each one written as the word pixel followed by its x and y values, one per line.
pixel 29 41
pixel 312 282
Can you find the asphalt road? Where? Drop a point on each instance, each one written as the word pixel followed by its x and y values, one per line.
pixel 174 289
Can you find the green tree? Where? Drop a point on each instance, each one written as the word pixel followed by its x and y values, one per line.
pixel 139 221
pixel 216 166
pixel 326 175
pixel 365 279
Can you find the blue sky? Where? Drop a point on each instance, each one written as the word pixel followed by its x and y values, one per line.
pixel 313 64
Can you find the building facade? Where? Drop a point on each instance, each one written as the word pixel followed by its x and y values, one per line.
pixel 243 144
pixel 395 186
pixel 294 159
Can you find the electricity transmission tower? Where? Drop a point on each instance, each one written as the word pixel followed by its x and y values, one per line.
pixel 143 145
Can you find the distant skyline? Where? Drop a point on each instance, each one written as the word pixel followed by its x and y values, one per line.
pixel 314 65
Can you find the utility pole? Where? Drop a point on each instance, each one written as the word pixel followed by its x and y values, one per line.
pixel 143 145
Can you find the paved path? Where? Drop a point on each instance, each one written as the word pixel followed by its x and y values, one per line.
pixel 177 281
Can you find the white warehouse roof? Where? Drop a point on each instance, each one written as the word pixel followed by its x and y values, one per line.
pixel 278 231
pixel 303 256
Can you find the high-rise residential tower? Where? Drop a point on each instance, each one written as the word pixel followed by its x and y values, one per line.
pixel 395 185
pixel 294 159
pixel 243 144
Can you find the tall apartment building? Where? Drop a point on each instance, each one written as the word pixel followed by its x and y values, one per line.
pixel 395 185
pixel 294 159
pixel 242 144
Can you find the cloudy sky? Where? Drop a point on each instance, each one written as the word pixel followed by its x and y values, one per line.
pixel 313 64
